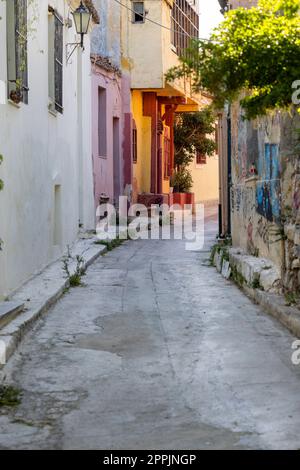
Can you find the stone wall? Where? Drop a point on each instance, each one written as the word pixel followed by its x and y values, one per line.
pixel 265 193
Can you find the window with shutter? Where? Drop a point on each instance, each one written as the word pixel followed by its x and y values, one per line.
pixel 134 142
pixel 200 158
pixel 55 60
pixel 58 62
pixel 185 25
pixel 17 63
pixel 167 153
pixel 138 12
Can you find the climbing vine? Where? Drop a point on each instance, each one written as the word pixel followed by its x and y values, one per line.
pixel 255 50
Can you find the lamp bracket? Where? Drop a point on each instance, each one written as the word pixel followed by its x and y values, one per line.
pixel 70 49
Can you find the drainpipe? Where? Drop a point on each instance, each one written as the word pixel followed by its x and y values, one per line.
pixel 221 163
pixel 229 176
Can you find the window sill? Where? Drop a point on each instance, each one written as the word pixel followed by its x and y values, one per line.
pixel 15 105
pixel 52 112
pixel 174 49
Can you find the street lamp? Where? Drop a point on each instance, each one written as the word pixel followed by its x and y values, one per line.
pixel 82 17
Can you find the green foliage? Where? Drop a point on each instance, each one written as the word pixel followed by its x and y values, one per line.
pixel 220 248
pixel 191 132
pixel 9 396
pixel 256 284
pixel 256 50
pixel 237 277
pixel 75 277
pixel 182 180
pixel 214 249
pixel 110 244
pixel 291 298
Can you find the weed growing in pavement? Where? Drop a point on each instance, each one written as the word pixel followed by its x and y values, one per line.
pixel 110 244
pixel 9 396
pixel 291 298
pixel 75 277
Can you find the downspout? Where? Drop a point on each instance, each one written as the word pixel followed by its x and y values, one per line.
pixel 229 175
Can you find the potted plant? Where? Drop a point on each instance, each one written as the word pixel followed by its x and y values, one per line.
pixel 16 96
pixel 181 180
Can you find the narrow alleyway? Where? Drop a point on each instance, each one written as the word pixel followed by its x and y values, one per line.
pixel 155 351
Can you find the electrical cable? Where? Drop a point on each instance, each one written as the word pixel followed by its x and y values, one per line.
pixel 161 25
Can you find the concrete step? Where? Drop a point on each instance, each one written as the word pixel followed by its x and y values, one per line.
pixel 9 311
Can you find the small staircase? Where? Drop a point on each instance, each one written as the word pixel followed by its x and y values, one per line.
pixel 8 311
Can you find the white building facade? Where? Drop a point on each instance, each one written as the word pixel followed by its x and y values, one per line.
pixel 45 136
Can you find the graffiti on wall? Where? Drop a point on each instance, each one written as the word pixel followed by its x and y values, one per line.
pixel 268 187
pixel 263 230
pixel 243 199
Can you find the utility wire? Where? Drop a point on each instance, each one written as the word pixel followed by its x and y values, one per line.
pixel 159 24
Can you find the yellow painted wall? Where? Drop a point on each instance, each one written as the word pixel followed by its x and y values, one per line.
pixel 149 52
pixel 141 169
pixel 206 179
pixel 142 43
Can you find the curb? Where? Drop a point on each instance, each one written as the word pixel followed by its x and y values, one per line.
pixel 42 292
pixel 274 304
pixel 272 301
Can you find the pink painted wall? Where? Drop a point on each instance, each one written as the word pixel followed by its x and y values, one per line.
pixel 127 130
pixel 105 169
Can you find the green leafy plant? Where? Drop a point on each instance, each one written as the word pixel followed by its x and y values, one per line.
pixel 256 284
pixel 9 396
pixel 291 298
pixel 237 277
pixel 74 277
pixel 110 244
pixel 182 180
pixel 214 249
pixel 191 134
pixel 255 51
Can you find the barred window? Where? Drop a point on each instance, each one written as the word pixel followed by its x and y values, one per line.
pixel 55 60
pixel 185 25
pixel 17 63
pixel 58 60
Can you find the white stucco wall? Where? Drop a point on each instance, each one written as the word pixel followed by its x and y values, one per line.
pixel 40 151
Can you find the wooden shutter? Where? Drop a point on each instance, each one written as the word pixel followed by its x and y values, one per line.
pixel 167 153
pixel 134 142
pixel 21 48
pixel 58 63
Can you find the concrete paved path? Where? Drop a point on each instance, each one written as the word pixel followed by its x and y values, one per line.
pixel 156 351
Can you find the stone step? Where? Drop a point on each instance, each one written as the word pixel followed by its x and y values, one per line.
pixel 9 311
